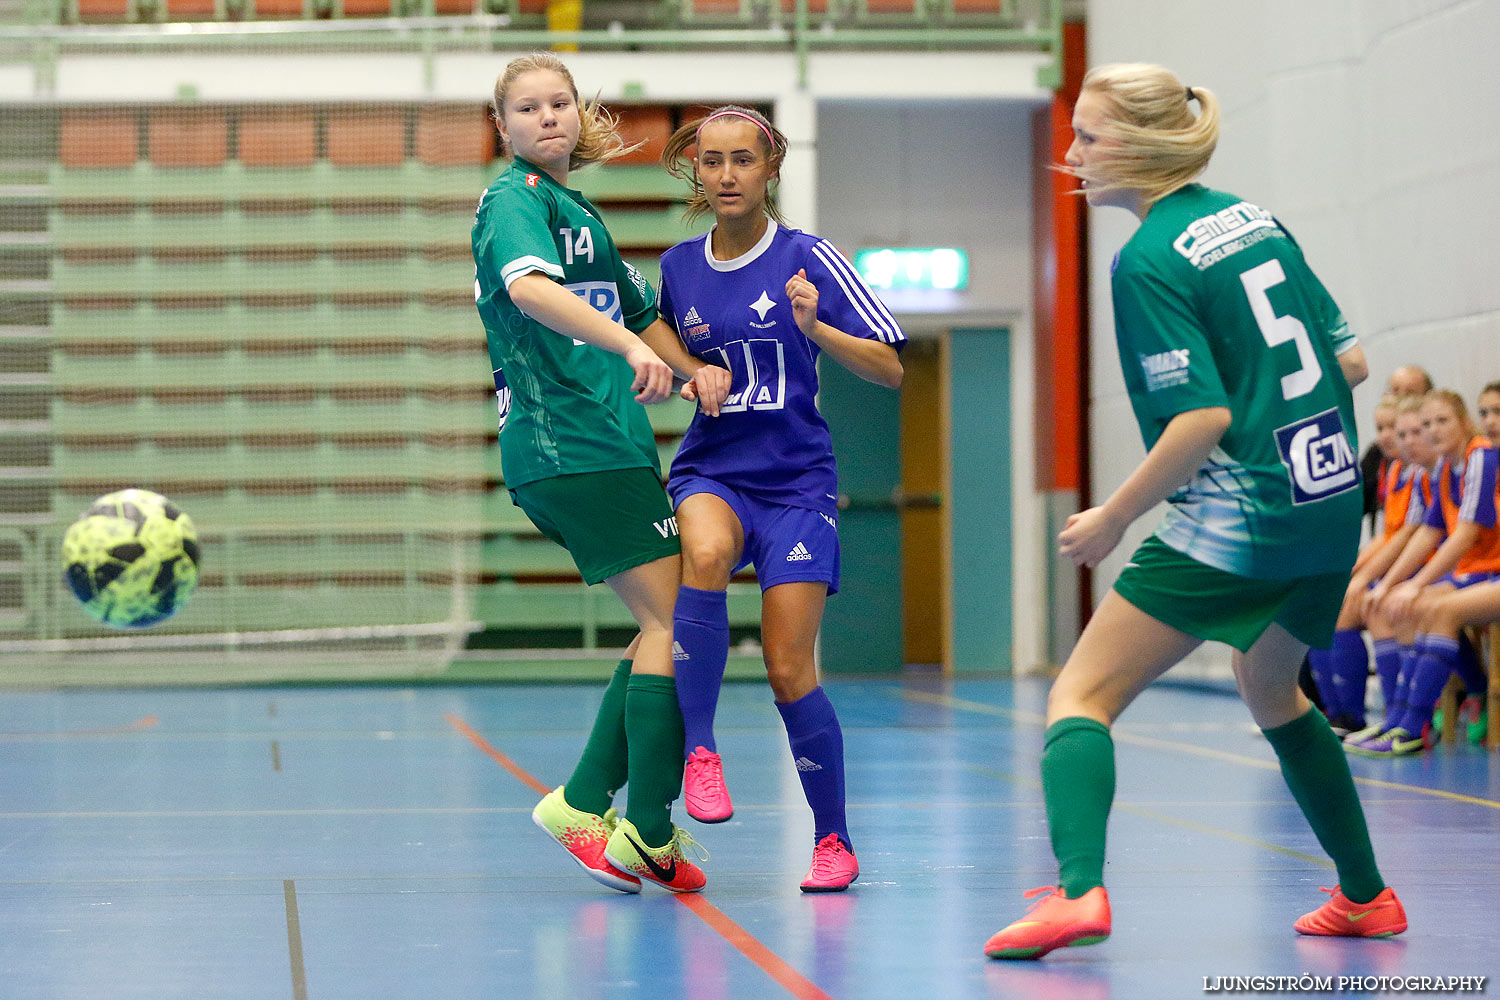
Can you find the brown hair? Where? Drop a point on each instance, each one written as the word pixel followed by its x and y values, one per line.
pixel 599 131
pixel 1492 387
pixel 679 162
pixel 1157 144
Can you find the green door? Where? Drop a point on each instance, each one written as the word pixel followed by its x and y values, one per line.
pixel 862 625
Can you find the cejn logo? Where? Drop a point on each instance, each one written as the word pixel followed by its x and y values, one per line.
pixel 1317 453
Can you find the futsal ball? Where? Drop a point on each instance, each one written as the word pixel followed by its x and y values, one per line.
pixel 131 559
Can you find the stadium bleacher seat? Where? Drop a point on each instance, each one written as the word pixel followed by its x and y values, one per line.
pixel 193 10
pixel 365 8
pixel 104 11
pixel 268 9
pixel 187 137
pixel 448 137
pixel 277 137
pixel 366 137
pixel 650 124
pixel 97 139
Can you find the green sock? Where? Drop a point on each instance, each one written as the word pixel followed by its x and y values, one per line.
pixel 1317 772
pixel 1078 784
pixel 654 722
pixel 601 769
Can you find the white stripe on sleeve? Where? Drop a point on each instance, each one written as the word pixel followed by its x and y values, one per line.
pixel 1473 479
pixel 525 265
pixel 870 308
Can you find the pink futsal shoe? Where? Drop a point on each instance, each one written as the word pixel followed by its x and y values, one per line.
pixel 1382 916
pixel 834 866
pixel 1055 921
pixel 584 836
pixel 703 788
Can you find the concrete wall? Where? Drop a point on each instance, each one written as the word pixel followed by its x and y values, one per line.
pixel 1369 128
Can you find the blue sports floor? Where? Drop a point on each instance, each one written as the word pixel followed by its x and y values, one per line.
pixel 373 842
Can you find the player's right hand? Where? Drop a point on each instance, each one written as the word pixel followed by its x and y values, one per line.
pixel 653 379
pixel 710 387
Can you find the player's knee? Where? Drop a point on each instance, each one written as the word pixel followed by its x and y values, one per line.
pixel 707 562
pixel 1441 616
pixel 790 671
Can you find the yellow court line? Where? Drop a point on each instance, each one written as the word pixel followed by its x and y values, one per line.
pixel 1164 818
pixel 1032 718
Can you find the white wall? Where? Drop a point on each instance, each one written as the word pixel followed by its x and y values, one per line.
pixel 947 173
pixel 1369 128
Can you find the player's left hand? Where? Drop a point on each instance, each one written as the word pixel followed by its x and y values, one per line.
pixel 803 295
pixel 1089 536
pixel 1399 601
pixel 710 387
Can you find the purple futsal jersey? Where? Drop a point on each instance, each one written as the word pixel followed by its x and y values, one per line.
pixel 769 441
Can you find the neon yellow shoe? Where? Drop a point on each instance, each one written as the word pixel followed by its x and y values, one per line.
pixel 667 866
pixel 583 835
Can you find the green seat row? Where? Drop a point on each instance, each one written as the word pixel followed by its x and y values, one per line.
pixel 325 228
pixel 147 416
pixel 236 276
pixel 324 183
pixel 235 463
pixel 234 322
pixel 234 183
pixel 315 367
pixel 323 508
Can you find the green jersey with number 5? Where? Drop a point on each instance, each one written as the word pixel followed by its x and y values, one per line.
pixel 566 407
pixel 1216 306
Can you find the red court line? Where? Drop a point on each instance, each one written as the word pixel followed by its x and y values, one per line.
pixel 764 958
pixel 143 723
pixel 479 741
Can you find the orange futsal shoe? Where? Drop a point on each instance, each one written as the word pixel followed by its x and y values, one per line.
pixel 1055 921
pixel 1339 917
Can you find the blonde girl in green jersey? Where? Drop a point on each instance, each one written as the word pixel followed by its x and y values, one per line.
pixel 563 313
pixel 1239 369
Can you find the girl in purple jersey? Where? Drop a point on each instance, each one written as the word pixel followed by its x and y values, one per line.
pixel 756 483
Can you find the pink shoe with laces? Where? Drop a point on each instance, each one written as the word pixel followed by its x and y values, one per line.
pixel 834 866
pixel 1054 921
pixel 703 788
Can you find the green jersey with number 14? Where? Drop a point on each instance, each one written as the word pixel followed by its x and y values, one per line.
pixel 1216 306
pixel 566 407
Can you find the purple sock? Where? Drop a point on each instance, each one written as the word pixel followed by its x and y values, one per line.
pixel 1349 666
pixel 1437 662
pixel 1396 707
pixel 1388 669
pixel 1320 662
pixel 700 632
pixel 1470 670
pixel 812 728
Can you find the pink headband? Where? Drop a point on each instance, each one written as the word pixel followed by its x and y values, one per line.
pixel 738 114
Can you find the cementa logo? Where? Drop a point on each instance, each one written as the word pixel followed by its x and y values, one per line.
pixel 1317 453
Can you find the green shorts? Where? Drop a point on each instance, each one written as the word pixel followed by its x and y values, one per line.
pixel 608 521
pixel 1211 604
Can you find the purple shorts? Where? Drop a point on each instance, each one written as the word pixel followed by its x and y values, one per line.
pixel 1462 580
pixel 786 544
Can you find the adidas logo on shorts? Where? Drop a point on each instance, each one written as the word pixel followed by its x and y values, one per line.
pixel 678 653
pixel 799 554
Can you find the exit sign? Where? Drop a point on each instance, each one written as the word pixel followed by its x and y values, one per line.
pixel 912 267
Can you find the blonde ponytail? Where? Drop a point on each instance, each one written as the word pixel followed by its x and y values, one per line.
pixel 1156 143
